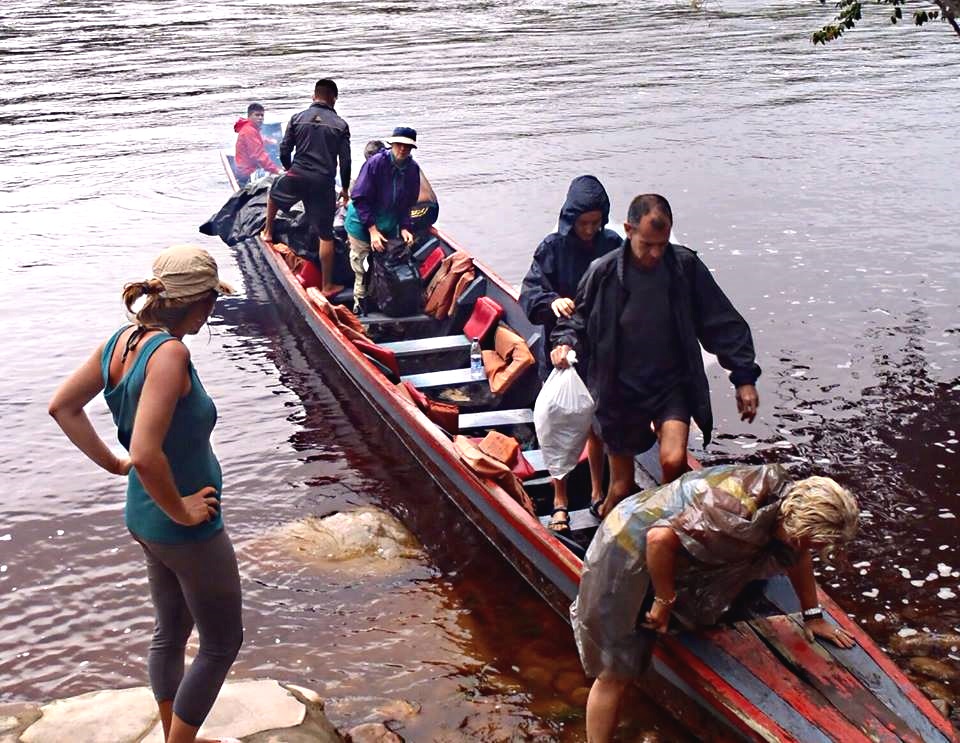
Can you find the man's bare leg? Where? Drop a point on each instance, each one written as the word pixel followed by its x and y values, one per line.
pixel 623 481
pixel 267 234
pixel 673 448
pixel 595 459
pixel 603 708
pixel 329 289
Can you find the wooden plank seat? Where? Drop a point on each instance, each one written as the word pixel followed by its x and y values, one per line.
pixel 535 458
pixel 494 418
pixel 580 520
pixel 428 380
pixel 378 318
pixel 435 344
pixel 382 328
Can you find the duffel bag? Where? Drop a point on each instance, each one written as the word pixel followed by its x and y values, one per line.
pixel 394 281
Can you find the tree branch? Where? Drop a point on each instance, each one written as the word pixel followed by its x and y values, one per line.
pixel 950 10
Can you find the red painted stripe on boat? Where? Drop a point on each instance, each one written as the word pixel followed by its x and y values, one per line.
pixel 888 666
pixel 736 708
pixel 836 683
pixel 744 645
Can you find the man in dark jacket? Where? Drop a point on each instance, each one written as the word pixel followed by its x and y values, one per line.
pixel 316 139
pixel 380 202
pixel 642 313
pixel 559 262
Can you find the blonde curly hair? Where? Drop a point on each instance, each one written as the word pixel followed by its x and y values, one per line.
pixel 819 510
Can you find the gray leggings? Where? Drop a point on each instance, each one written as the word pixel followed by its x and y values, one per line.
pixel 196 582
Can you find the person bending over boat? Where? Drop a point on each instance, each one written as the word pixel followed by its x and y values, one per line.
pixel 559 262
pixel 641 314
pixel 316 139
pixel 685 551
pixel 250 152
pixel 380 202
pixel 164 419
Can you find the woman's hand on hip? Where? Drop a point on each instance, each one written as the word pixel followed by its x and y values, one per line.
pixel 823 629
pixel 121 467
pixel 199 507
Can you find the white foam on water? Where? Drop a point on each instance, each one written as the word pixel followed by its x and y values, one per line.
pixel 906 632
pixel 946 593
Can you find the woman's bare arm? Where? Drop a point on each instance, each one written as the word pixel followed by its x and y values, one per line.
pixel 67 409
pixel 805 586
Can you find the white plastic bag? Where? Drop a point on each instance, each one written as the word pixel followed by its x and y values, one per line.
pixel 562 416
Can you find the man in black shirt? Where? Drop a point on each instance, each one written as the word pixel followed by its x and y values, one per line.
pixel 642 312
pixel 316 138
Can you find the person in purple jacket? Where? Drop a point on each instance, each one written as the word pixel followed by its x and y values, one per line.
pixel 380 201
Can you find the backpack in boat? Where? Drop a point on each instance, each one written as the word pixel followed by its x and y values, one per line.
pixel 394 281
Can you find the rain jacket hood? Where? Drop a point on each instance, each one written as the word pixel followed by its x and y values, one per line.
pixel 561 259
pixel 585 194
pixel 241 122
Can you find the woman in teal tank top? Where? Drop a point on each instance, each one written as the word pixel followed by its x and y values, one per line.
pixel 164 419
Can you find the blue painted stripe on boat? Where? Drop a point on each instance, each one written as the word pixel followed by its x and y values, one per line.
pixel 754 690
pixel 546 568
pixel 860 664
pixel 666 673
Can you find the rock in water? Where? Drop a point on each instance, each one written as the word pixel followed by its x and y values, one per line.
pixel 366 535
pixel 936 669
pixel 372 732
pixel 258 710
pixel 924 643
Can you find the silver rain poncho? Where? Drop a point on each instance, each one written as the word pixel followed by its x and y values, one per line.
pixel 725 518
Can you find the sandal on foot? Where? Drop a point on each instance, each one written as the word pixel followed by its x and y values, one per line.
pixel 594 507
pixel 561 526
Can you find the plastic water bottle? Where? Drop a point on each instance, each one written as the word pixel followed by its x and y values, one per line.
pixel 476 361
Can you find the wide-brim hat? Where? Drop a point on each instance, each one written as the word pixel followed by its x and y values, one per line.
pixel 188 270
pixel 403 135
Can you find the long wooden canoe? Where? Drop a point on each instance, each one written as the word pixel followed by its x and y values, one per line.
pixel 754 678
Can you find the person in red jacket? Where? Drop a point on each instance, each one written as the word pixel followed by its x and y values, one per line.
pixel 250 153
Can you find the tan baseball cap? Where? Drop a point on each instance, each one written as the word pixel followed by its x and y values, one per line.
pixel 187 270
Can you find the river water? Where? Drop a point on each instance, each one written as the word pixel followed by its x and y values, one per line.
pixel 818 183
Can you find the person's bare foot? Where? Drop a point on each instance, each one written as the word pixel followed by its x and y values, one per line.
pixel 267 238
pixel 331 291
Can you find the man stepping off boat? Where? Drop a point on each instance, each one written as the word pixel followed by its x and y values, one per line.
pixel 559 262
pixel 316 139
pixel 380 202
pixel 641 314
